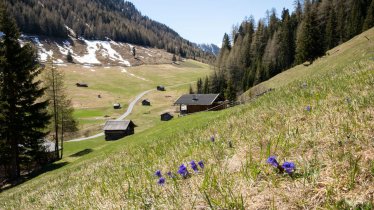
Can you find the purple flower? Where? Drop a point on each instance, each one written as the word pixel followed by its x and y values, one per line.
pixel 158 173
pixel 183 171
pixel 289 167
pixel 161 181
pixel 201 164
pixel 308 108
pixel 170 174
pixel 194 166
pixel 212 139
pixel 273 161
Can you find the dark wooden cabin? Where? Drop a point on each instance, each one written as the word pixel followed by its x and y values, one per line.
pixel 166 116
pixel 117 106
pixel 117 129
pixel 160 88
pixel 146 102
pixel 79 84
pixel 191 103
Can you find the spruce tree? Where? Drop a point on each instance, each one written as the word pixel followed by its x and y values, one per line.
pixel 206 86
pixel 24 115
pixel 369 20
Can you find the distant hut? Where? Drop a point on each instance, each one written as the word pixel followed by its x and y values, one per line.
pixel 49 149
pixel 146 102
pixel 166 116
pixel 117 129
pixel 117 106
pixel 191 103
pixel 79 84
pixel 160 88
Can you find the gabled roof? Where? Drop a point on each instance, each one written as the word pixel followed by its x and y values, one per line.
pixel 166 113
pixel 117 125
pixel 197 99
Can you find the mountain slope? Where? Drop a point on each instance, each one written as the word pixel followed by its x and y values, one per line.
pixel 331 143
pixel 210 48
pixel 96 20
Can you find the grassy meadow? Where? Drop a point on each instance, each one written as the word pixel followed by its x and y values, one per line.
pixel 121 85
pixel 320 117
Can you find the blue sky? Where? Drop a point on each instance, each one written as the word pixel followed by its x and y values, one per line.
pixel 205 21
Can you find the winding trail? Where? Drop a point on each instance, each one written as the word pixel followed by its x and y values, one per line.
pixel 127 113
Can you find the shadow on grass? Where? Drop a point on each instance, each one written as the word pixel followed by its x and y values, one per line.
pixel 82 153
pixel 25 178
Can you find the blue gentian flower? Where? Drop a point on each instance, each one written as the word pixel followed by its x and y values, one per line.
pixel 273 161
pixel 201 164
pixel 289 167
pixel 158 173
pixel 194 166
pixel 212 139
pixel 183 171
pixel 161 181
pixel 308 108
pixel 170 174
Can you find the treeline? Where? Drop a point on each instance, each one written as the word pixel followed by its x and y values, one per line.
pixel 256 52
pixel 29 96
pixel 118 20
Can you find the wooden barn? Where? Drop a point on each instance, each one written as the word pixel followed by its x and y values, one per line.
pixel 117 106
pixel 117 129
pixel 191 103
pixel 160 88
pixel 79 84
pixel 146 102
pixel 49 149
pixel 166 116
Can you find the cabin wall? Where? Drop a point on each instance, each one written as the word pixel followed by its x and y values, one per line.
pixel 115 135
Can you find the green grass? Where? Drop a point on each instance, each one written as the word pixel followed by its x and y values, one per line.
pixel 331 145
pixel 115 85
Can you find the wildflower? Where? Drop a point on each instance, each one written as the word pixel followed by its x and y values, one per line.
pixel 289 167
pixel 170 174
pixel 273 161
pixel 194 166
pixel 158 173
pixel 201 164
pixel 161 181
pixel 212 139
pixel 308 108
pixel 183 171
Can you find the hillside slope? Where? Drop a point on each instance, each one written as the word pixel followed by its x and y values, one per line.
pixel 322 119
pixel 98 20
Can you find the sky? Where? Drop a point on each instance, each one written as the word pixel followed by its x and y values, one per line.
pixel 206 21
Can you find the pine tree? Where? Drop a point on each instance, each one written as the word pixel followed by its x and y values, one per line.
pixel 199 86
pixel 69 57
pixel 24 114
pixel 369 20
pixel 206 86
pixel 230 92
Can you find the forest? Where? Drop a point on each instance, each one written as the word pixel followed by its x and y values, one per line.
pixel 255 52
pixel 98 20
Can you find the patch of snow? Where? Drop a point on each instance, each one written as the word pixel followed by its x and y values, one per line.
pixel 92 47
pixel 61 64
pixel 86 66
pixel 92 70
pixel 107 67
pixel 58 61
pixel 42 52
pixel 112 54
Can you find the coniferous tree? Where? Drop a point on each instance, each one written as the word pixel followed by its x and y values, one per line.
pixel 369 20
pixel 24 115
pixel 206 86
pixel 199 86
pixel 69 57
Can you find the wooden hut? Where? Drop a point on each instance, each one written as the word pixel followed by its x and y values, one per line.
pixel 146 102
pixel 79 84
pixel 117 129
pixel 191 103
pixel 166 116
pixel 117 106
pixel 160 88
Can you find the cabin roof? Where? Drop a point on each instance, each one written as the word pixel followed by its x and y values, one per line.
pixel 197 99
pixel 166 113
pixel 116 125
